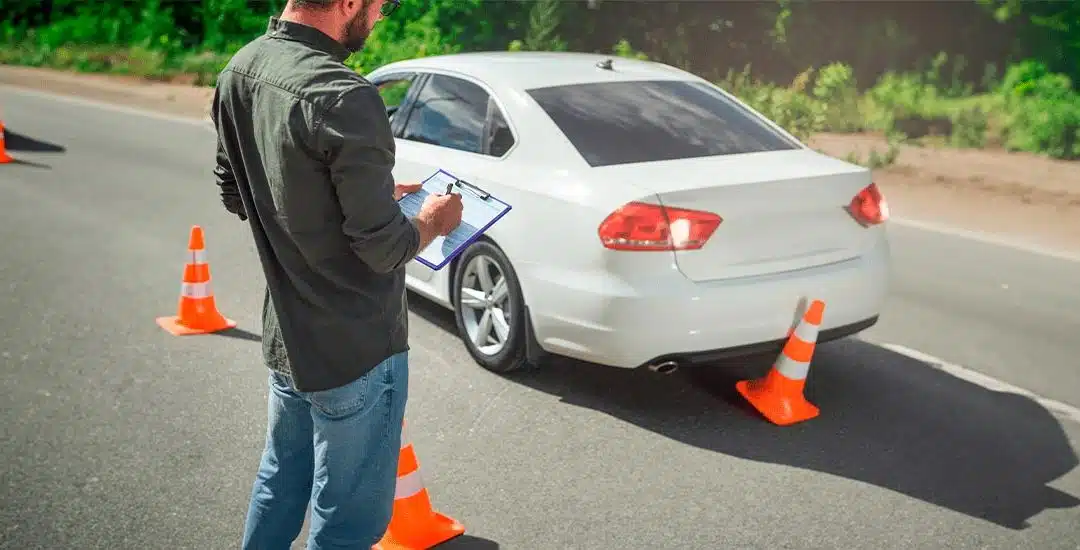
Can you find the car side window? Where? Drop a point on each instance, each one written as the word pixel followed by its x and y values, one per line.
pixel 449 112
pixel 498 137
pixel 393 91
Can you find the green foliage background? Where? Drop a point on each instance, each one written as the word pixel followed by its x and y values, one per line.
pixel 973 73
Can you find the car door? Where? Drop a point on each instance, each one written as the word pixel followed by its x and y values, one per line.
pixel 449 123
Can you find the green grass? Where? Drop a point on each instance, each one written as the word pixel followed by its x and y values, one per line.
pixel 200 68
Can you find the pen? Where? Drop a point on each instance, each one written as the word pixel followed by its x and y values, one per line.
pixel 449 188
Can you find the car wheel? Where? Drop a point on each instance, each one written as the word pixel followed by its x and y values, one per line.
pixel 489 308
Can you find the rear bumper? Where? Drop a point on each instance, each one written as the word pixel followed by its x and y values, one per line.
pixel 674 318
pixel 772 347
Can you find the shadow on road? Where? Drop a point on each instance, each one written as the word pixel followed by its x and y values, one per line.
pixel 886 419
pixel 32 164
pixel 240 334
pixel 17 142
pixel 469 542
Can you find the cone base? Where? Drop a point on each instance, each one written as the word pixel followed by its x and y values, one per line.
pixel 438 529
pixel 782 410
pixel 172 325
pixel 5 159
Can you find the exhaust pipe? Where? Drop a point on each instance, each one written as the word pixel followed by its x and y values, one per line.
pixel 666 367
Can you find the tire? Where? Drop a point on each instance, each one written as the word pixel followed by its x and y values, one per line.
pixel 506 356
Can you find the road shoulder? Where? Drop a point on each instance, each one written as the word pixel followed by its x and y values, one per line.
pixel 172 99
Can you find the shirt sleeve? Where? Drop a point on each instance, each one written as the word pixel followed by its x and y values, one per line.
pixel 226 181
pixel 355 136
pixel 223 171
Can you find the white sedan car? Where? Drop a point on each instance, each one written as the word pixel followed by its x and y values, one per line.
pixel 657 220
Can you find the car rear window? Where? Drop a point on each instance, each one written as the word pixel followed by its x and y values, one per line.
pixel 640 121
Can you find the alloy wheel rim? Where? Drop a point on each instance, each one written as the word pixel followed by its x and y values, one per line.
pixel 485 305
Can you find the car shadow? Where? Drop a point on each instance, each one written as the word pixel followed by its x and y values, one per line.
pixel 887 420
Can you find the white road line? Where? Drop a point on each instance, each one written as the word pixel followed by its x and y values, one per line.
pixel 191 121
pixel 986 238
pixel 1062 409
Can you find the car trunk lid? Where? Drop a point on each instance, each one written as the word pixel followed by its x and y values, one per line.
pixel 782 211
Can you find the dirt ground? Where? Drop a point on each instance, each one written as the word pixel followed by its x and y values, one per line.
pixel 1016 196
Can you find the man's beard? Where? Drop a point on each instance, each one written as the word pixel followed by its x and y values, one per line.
pixel 356 32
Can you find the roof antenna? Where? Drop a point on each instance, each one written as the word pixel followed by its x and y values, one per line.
pixel 605 64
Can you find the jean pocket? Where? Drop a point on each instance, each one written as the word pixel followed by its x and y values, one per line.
pixel 343 401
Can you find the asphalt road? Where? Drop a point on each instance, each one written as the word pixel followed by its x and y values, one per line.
pixel 119 436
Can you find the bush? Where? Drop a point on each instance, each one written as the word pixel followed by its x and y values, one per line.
pixel 904 103
pixel 205 66
pixel 623 48
pixel 969 126
pixel 1047 126
pixel 792 108
pixel 417 38
pixel 1042 111
pixel 836 89
pixel 1031 79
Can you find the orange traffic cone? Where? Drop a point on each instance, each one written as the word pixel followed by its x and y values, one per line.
pixel 196 313
pixel 415 525
pixel 4 157
pixel 779 395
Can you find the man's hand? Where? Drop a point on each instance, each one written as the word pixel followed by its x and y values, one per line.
pixel 444 211
pixel 439 215
pixel 402 189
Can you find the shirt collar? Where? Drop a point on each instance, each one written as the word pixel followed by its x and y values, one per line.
pixel 291 30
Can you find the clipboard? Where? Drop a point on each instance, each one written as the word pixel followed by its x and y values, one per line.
pixel 480 210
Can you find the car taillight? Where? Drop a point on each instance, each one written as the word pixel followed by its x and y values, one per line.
pixel 869 206
pixel 640 226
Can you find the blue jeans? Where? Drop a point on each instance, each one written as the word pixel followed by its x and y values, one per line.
pixel 336 450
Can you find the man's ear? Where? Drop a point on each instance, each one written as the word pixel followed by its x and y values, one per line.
pixel 349 8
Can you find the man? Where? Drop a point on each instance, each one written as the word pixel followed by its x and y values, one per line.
pixel 305 154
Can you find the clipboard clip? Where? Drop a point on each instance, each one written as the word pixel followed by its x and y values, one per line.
pixel 480 193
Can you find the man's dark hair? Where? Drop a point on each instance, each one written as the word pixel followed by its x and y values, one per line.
pixel 312 4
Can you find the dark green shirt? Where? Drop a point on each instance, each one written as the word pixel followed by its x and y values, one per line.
pixel 305 154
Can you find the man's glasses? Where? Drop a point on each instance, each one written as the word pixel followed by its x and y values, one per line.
pixel 389 6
